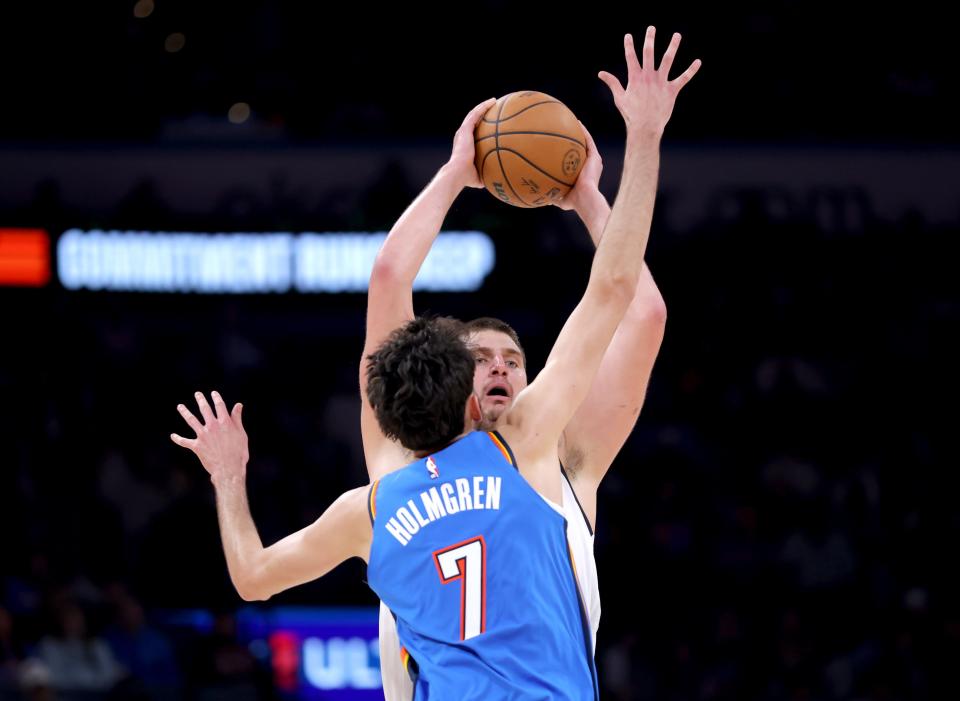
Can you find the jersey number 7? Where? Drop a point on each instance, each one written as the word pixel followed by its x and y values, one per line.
pixel 467 561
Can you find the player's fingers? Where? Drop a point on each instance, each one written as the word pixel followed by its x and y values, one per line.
pixel 187 443
pixel 476 114
pixel 191 420
pixel 219 407
pixel 205 410
pixel 613 83
pixel 648 43
pixel 591 145
pixel 484 106
pixel 685 77
pixel 667 61
pixel 630 53
pixel 237 414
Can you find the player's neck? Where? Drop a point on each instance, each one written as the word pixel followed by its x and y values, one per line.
pixel 420 454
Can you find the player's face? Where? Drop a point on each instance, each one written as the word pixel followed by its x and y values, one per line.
pixel 499 375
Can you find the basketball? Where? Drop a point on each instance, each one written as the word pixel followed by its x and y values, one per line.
pixel 529 149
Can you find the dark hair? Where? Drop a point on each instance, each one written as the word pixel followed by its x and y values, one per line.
pixel 418 383
pixel 488 323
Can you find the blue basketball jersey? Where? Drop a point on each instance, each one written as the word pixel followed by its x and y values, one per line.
pixel 475 566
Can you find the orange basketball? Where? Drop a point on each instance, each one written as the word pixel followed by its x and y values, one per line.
pixel 530 149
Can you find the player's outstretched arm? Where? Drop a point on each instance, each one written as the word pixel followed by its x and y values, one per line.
pixel 343 531
pixel 595 434
pixel 390 295
pixel 541 412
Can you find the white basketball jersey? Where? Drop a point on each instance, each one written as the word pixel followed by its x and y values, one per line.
pixel 397 685
pixel 580 538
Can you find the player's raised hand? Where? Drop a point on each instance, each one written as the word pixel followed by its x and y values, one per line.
pixel 588 182
pixel 461 157
pixel 647 102
pixel 221 442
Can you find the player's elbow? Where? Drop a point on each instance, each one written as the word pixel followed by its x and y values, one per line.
pixel 650 310
pixel 248 594
pixel 250 590
pixel 384 272
pixel 658 314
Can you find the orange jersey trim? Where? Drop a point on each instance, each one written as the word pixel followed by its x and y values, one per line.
pixel 372 504
pixel 502 447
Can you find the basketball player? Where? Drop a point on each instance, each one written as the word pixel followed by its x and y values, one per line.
pixel 600 426
pixel 499 541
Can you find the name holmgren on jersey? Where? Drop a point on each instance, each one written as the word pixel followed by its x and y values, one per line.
pixel 446 499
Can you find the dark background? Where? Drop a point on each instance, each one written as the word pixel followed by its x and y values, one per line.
pixel 782 523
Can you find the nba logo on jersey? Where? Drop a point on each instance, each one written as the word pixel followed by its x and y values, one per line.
pixel 432 469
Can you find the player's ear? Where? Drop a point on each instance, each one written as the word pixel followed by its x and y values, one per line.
pixel 473 407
